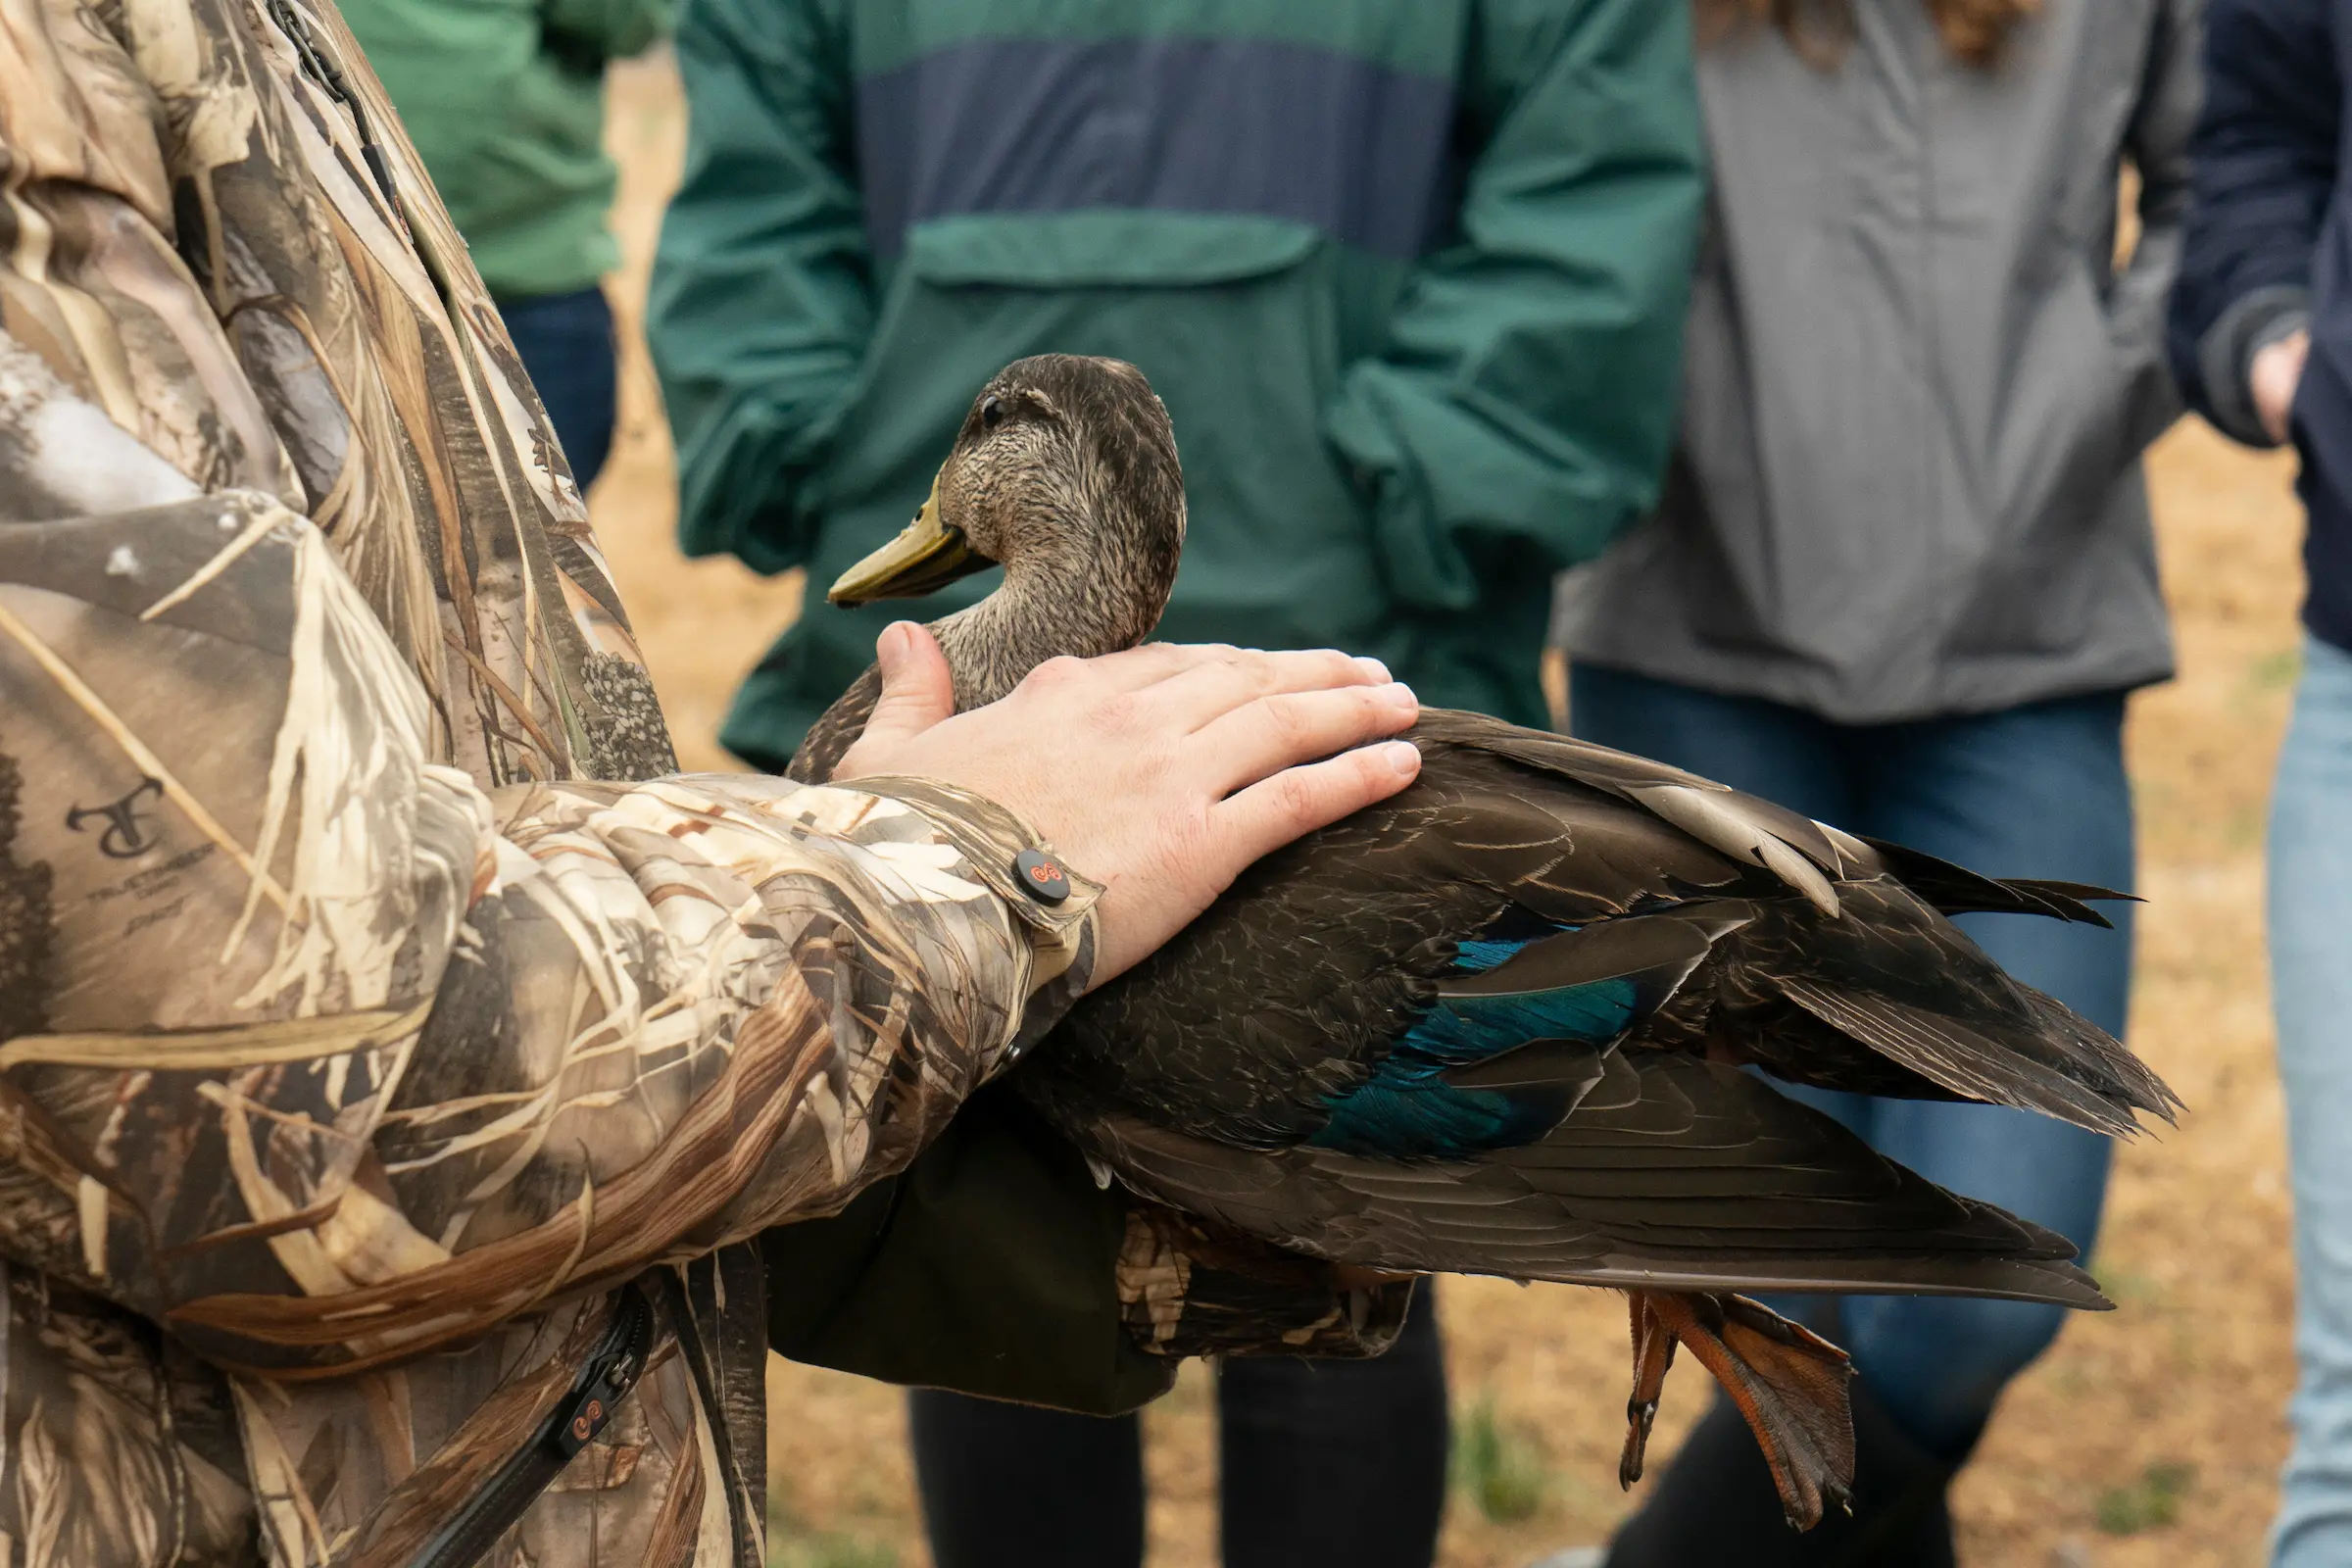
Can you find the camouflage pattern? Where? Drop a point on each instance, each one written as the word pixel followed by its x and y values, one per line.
pixel 321 1056
pixel 369 1010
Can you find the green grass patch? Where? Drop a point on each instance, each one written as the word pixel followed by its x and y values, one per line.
pixel 829 1551
pixel 2125 1285
pixel 2275 672
pixel 791 1542
pixel 1497 1468
pixel 2151 1502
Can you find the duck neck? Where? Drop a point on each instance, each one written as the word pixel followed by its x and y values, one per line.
pixel 1049 606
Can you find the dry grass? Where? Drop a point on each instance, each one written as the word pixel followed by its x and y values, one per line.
pixel 2191 1373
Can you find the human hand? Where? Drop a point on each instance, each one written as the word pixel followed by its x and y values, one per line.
pixel 2276 370
pixel 1161 772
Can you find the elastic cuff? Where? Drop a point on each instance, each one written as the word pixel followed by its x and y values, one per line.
pixel 747 487
pixel 1421 569
pixel 2225 355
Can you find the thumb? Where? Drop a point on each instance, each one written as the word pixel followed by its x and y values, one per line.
pixel 918 691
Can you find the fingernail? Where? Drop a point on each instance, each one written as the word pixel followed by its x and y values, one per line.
pixel 890 650
pixel 1373 667
pixel 1405 757
pixel 1398 694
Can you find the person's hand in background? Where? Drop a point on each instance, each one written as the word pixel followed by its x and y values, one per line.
pixel 2276 370
pixel 1161 772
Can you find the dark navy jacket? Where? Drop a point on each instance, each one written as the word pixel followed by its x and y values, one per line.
pixel 2269 250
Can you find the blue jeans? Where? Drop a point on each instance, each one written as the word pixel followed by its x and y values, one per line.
pixel 2310 987
pixel 565 341
pixel 2038 790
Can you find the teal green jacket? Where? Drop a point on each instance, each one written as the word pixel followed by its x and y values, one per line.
pixel 1409 274
pixel 505 102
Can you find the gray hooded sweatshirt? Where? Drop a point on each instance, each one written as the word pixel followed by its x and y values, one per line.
pixel 1908 475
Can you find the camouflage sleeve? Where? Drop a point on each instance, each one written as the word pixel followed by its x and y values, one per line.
pixel 314 1051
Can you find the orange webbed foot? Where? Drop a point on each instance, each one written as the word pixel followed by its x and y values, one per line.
pixel 1789 1384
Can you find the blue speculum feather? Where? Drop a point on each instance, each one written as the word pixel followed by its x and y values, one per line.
pixel 1475 958
pixel 1407 1111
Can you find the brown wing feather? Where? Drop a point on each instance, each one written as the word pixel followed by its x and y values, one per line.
pixel 836 729
pixel 1672 1174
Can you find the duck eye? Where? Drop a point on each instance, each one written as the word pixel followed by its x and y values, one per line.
pixel 992 412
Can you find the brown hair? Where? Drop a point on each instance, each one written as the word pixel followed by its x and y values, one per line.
pixel 1974 30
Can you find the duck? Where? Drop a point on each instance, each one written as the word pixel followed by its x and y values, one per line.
pixel 1522 1018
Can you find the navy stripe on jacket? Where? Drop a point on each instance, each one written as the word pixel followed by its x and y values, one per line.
pixel 1183 124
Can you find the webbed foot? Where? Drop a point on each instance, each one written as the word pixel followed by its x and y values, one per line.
pixel 1789 1382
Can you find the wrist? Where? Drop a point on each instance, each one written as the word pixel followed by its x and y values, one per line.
pixel 2225 355
pixel 1053 909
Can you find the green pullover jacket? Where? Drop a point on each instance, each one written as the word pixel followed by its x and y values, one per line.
pixel 1409 274
pixel 505 100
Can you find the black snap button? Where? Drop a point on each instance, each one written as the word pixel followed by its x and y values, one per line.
pixel 1041 876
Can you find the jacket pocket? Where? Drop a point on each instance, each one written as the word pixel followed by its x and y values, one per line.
pixel 2065 509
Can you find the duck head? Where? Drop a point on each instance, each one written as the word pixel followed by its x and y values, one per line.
pixel 1065 473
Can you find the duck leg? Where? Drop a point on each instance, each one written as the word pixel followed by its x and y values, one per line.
pixel 1789 1382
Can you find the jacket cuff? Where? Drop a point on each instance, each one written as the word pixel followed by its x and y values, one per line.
pixel 2225 355
pixel 1421 569
pixel 1189 1289
pixel 997 847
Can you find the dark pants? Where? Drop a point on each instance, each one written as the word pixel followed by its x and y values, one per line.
pixel 1319 1462
pixel 565 341
pixel 2038 790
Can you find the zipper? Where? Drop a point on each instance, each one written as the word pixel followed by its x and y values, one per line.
pixel 320 69
pixel 604 1379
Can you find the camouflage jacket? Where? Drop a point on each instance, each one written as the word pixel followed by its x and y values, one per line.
pixel 362 1032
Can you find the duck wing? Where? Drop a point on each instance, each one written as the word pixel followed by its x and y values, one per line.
pixel 1530 886
pixel 1852 948
pixel 1667 1174
pixel 836 731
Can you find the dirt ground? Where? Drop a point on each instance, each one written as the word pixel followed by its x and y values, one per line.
pixel 2150 1435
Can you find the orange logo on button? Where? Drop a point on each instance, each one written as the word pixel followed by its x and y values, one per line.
pixel 1046 882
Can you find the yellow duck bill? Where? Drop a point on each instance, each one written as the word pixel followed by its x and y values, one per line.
pixel 926 555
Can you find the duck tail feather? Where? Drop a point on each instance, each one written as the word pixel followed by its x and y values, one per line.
pixel 1956 890
pixel 2073 1071
pixel 2132 1078
pixel 2073 893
